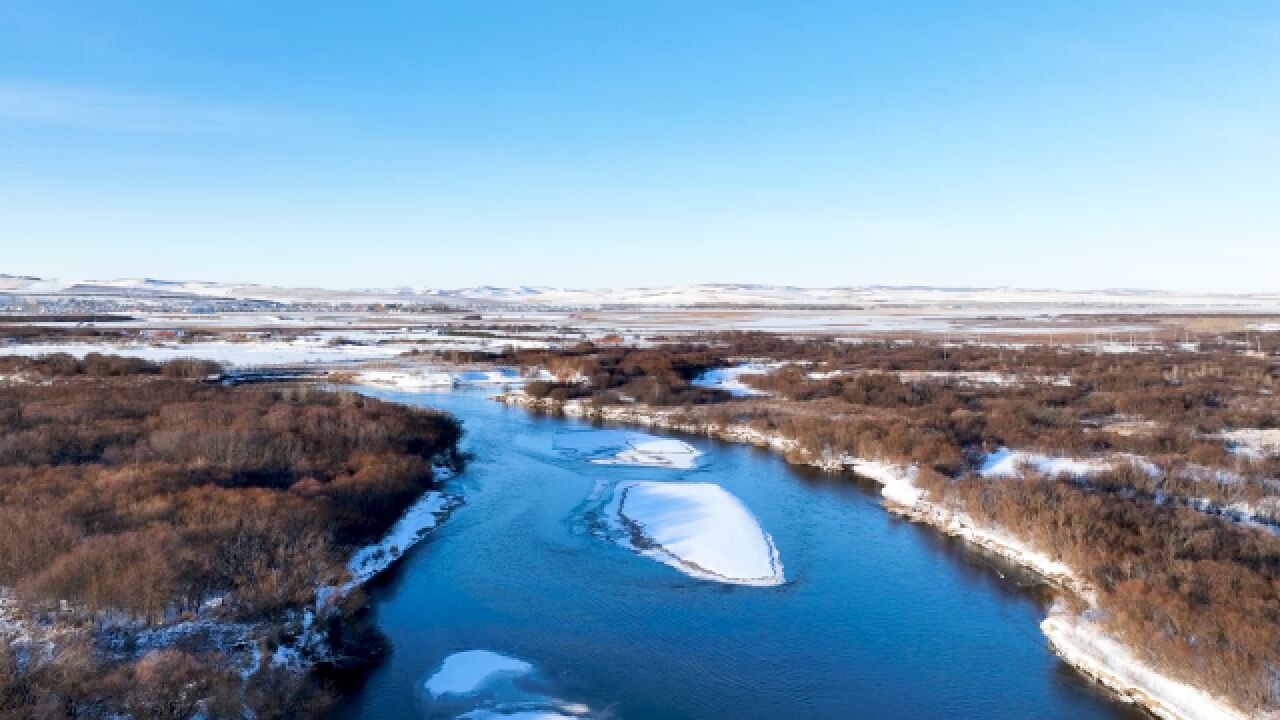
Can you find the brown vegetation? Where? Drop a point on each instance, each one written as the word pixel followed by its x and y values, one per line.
pixel 127 487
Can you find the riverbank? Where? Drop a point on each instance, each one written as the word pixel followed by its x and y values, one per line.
pixel 1074 638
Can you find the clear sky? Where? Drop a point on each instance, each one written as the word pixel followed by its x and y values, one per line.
pixel 608 143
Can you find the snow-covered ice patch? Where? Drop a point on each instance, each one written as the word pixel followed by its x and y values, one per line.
pixel 699 529
pixel 465 672
pixel 730 379
pixel 656 452
pixel 482 684
pixel 501 376
pixel 619 447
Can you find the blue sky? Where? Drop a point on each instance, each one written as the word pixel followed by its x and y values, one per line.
pixel 1073 145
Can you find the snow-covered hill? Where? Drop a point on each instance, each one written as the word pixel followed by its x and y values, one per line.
pixel 711 295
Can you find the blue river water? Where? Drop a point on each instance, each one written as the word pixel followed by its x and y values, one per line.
pixel 879 618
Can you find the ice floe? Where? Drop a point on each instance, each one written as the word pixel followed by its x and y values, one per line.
pixel 699 529
pixel 466 672
pixel 482 684
pixel 619 447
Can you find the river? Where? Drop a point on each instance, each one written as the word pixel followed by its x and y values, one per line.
pixel 878 618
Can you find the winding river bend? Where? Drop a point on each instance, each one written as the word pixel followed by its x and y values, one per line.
pixel 878 618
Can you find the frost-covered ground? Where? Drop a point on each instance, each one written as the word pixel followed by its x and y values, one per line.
pixel 699 529
pixel 482 684
pixel 730 379
pixel 621 447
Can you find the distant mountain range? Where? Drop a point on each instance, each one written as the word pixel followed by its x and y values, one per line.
pixel 676 296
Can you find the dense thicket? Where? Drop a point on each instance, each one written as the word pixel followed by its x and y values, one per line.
pixel 657 376
pixel 126 488
pixel 143 493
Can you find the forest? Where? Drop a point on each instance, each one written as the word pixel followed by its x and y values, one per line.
pixel 1193 591
pixel 132 490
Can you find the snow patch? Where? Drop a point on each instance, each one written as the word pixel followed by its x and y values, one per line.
pixel 1008 463
pixel 1254 443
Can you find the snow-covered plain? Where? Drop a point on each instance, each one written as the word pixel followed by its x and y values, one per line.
pixel 1027 300
pixel 243 354
pixel 620 447
pixel 699 529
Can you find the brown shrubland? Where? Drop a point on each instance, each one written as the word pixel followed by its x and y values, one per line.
pixel 131 488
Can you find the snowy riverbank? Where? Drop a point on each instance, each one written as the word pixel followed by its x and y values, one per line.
pixel 425 515
pixel 1078 641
